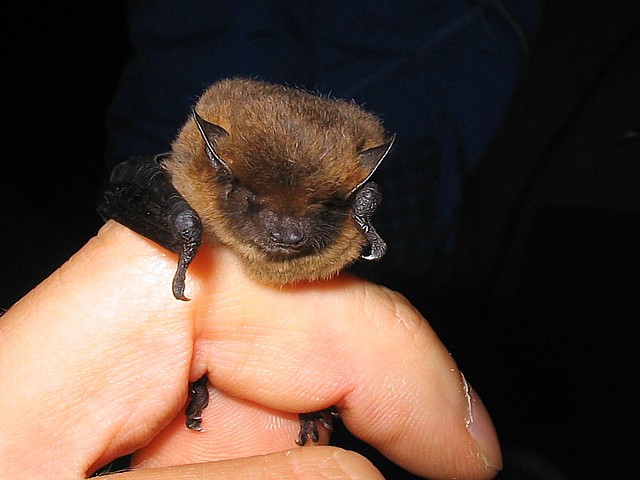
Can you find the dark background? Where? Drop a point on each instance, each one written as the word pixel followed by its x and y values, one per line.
pixel 542 301
pixel 59 77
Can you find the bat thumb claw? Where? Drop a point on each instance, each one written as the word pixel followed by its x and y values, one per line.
pixel 178 287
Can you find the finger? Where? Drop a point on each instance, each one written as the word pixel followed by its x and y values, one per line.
pixel 233 428
pixel 94 361
pixel 151 316
pixel 351 344
pixel 327 463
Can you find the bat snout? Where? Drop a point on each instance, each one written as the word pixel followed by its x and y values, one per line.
pixel 287 236
pixel 284 236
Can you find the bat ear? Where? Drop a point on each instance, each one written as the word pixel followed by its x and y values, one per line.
pixel 371 158
pixel 211 133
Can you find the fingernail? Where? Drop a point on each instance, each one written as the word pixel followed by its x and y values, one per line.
pixel 481 428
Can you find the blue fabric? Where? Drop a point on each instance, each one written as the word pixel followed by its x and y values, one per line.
pixel 439 73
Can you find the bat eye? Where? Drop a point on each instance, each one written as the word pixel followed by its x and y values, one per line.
pixel 244 197
pixel 336 203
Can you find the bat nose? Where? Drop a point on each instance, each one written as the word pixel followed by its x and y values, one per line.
pixel 289 235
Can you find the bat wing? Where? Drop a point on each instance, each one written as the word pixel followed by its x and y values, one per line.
pixel 142 197
pixel 366 201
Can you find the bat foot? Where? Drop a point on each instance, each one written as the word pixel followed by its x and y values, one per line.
pixel 309 424
pixel 199 399
pixel 195 424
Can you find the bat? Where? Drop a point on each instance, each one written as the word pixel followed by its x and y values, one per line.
pixel 279 175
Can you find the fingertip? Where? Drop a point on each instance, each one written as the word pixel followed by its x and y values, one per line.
pixel 482 431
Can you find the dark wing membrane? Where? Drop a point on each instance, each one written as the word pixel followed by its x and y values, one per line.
pixel 142 197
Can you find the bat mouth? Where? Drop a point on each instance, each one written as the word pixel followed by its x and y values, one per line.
pixel 283 252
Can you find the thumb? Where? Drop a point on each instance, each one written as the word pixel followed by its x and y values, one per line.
pixel 328 463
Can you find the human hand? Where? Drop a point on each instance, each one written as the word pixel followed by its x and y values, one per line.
pixel 94 364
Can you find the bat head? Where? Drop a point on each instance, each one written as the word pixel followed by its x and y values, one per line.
pixel 273 175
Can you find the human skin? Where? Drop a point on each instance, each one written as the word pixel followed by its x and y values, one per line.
pixel 95 362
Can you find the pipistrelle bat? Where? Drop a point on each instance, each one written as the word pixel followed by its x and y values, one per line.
pixel 279 175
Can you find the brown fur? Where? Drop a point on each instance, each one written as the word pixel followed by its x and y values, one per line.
pixel 293 150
